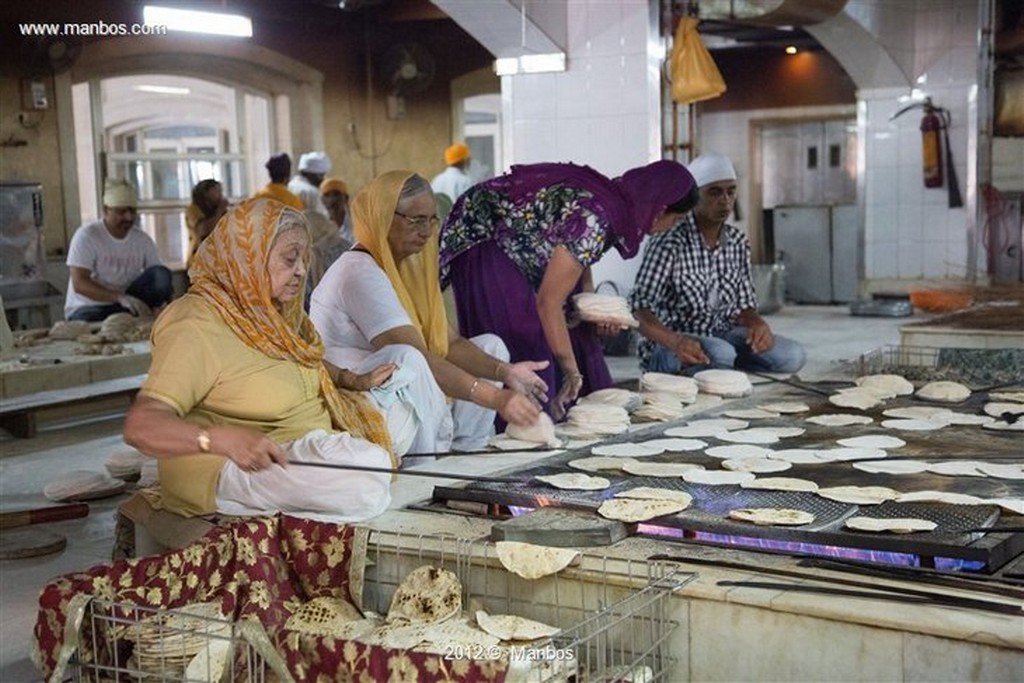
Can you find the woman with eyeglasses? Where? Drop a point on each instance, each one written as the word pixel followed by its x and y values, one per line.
pixel 380 302
pixel 516 248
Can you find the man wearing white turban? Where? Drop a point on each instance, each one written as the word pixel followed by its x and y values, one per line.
pixel 115 268
pixel 313 166
pixel 694 296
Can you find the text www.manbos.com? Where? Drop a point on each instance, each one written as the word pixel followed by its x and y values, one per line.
pixel 93 28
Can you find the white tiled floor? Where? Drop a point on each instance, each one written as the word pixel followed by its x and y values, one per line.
pixel 829 333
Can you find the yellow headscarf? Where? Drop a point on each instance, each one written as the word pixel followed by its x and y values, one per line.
pixel 230 271
pixel 416 282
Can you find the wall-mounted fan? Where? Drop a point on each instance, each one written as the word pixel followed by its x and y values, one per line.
pixel 407 69
pixel 45 55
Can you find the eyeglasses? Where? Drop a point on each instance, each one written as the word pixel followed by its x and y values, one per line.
pixel 422 224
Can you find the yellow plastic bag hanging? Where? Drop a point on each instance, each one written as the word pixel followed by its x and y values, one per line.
pixel 694 74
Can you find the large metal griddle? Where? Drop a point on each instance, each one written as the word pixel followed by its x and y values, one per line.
pixel 712 503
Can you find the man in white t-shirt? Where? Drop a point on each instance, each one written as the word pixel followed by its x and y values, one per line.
pixel 113 266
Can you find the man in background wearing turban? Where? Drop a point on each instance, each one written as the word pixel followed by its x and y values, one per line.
pixel 279 167
pixel 453 180
pixel 694 296
pixel 115 268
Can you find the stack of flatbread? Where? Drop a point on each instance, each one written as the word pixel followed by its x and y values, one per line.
pixel 623 398
pixel 661 406
pixel 944 392
pixel 195 637
pixel 886 386
pixel 727 383
pixel 861 398
pixel 126 464
pixel 605 308
pixel 597 419
pixel 685 388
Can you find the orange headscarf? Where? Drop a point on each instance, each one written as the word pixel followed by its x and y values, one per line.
pixel 230 272
pixel 416 281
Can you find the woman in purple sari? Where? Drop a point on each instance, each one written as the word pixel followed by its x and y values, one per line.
pixel 517 247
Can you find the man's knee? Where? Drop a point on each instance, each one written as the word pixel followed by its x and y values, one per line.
pixel 720 352
pixel 788 355
pixel 662 360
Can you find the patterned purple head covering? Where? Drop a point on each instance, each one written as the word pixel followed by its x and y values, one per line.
pixel 648 190
pixel 629 203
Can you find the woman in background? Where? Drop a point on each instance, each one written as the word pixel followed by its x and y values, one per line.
pixel 201 216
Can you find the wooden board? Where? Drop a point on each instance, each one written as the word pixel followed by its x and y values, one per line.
pixel 21 543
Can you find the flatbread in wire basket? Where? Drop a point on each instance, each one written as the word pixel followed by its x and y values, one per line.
pixel 428 594
pixel 513 627
pixel 533 561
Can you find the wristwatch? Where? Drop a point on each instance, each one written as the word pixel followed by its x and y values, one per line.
pixel 203 440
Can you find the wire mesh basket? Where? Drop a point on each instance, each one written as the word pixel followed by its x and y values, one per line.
pixel 974 367
pixel 614 615
pixel 109 641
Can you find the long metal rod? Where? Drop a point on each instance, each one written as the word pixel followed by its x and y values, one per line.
pixel 411 473
pixel 795 385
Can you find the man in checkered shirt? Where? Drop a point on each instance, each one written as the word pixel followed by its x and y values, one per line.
pixel 693 295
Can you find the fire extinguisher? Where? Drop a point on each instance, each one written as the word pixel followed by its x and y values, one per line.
pixel 931 146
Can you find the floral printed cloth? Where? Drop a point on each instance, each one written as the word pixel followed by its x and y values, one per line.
pixel 262 569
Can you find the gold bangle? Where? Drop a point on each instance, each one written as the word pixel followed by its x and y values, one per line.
pixel 203 440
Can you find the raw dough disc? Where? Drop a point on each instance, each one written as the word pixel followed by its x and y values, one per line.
pixel 638 510
pixel 655 493
pixel 772 516
pixel 785 432
pixel 904 525
pixel 626 450
pixel 1002 409
pixel 892 466
pixel 1000 425
pixel 1001 471
pixel 659 469
pixel 740 450
pixel 751 414
pixel 599 462
pixel 574 481
pixel 967 419
pixel 780 484
pixel 707 427
pixel 853 398
pixel 851 453
pixel 540 432
pixel 717 477
pixel 893 385
pixel 944 392
pixel 913 425
pixel 840 420
pixel 1014 505
pixel 675 445
pixel 785 407
pixel 756 465
pixel 797 456
pixel 938 497
pixel 859 495
pixel 1011 396
pixel 873 441
pixel 917 413
pixel 956 468
pixel 748 436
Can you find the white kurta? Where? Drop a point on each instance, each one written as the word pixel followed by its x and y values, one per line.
pixel 451 181
pixel 355 303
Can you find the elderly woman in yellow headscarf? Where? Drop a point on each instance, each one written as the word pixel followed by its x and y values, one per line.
pixel 382 299
pixel 238 392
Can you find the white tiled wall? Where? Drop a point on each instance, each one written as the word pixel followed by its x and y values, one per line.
pixel 603 111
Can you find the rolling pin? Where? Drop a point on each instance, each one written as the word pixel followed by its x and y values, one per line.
pixel 56 513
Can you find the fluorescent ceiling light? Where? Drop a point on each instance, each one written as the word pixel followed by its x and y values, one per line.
pixel 197 22
pixel 163 89
pixel 530 64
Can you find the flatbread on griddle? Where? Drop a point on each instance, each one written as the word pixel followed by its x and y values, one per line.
pixel 751 413
pixel 716 477
pixel 772 516
pixel 944 392
pixel 786 407
pixel 872 441
pixel 756 436
pixel 660 469
pixel 891 466
pixel 756 465
pixel 780 484
pixel 707 427
pixel 427 594
pixel 859 495
pixel 840 419
pixel 938 497
pixel 913 425
pixel 639 510
pixel 575 481
pixel 676 445
pixel 738 450
pixel 654 493
pixel 533 561
pixel 626 450
pixel 886 385
pixel 899 525
pixel 598 463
